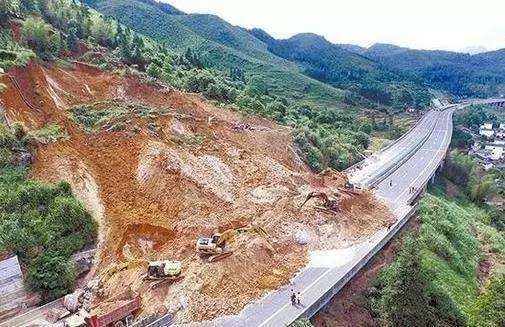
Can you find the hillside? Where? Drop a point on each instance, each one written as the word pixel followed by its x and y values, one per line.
pixel 223 46
pixel 162 167
pixel 458 73
pixel 282 65
pixel 130 128
pixel 335 65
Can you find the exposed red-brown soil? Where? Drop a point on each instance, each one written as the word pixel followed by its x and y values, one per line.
pixel 155 193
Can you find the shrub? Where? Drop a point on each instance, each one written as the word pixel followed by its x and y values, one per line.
pixel 490 307
pixel 153 70
pixel 41 38
pixel 51 274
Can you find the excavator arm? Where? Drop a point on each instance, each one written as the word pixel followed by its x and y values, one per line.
pixel 328 203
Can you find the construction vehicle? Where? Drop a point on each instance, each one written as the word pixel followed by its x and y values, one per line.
pixel 327 203
pixel 118 316
pixel 163 272
pixel 215 247
pixel 351 188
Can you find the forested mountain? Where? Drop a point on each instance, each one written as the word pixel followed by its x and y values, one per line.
pixel 297 68
pixel 335 65
pixel 458 73
pixel 222 46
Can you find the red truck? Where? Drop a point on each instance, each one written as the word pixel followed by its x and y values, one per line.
pixel 118 315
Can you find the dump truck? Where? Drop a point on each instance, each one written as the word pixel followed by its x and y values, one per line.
pixel 120 314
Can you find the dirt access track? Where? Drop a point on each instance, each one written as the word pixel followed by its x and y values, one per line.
pixel 162 181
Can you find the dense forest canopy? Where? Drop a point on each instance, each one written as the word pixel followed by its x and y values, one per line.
pixel 463 75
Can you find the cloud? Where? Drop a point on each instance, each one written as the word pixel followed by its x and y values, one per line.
pixel 427 24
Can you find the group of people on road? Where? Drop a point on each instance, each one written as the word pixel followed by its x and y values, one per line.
pixel 412 189
pixel 295 298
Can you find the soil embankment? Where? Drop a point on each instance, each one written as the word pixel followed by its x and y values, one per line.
pixel 160 181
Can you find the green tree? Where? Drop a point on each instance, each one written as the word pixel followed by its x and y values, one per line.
pixel 168 66
pixel 8 8
pixel 52 275
pixel 29 6
pixel 103 31
pixel 153 70
pixel 404 301
pixel 41 38
pixel 69 225
pixel 481 187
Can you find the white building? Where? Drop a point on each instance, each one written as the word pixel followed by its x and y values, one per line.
pixel 500 134
pixel 502 126
pixel 489 133
pixel 486 126
pixel 495 150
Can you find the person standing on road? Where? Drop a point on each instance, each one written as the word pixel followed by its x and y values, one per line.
pixel 391 183
pixel 298 298
pixel 293 297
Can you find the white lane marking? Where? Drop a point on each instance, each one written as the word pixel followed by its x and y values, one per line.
pixel 424 170
pixel 288 304
pixel 326 272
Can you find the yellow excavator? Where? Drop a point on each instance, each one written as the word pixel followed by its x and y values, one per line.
pixel 160 272
pixel 327 204
pixel 163 271
pixel 214 247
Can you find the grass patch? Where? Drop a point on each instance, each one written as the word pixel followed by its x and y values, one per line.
pixel 111 115
pixel 49 133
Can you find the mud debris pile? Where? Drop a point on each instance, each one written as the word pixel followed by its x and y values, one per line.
pixel 159 182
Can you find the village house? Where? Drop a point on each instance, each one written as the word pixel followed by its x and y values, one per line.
pixel 486 130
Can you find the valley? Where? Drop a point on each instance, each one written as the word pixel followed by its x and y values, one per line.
pixel 161 168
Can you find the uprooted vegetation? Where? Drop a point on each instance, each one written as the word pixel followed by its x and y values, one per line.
pixel 49 133
pixel 112 115
pixel 205 169
pixel 12 53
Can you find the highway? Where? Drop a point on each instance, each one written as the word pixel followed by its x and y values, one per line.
pixel 414 172
pixel 366 171
pixel 410 162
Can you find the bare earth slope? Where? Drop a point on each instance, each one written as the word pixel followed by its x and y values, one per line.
pixel 161 181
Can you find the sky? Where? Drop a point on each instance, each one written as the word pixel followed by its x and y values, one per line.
pixel 420 24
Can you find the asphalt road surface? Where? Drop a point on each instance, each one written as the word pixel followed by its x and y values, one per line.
pixel 335 267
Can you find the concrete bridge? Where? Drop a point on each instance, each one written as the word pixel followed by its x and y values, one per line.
pixel 498 102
